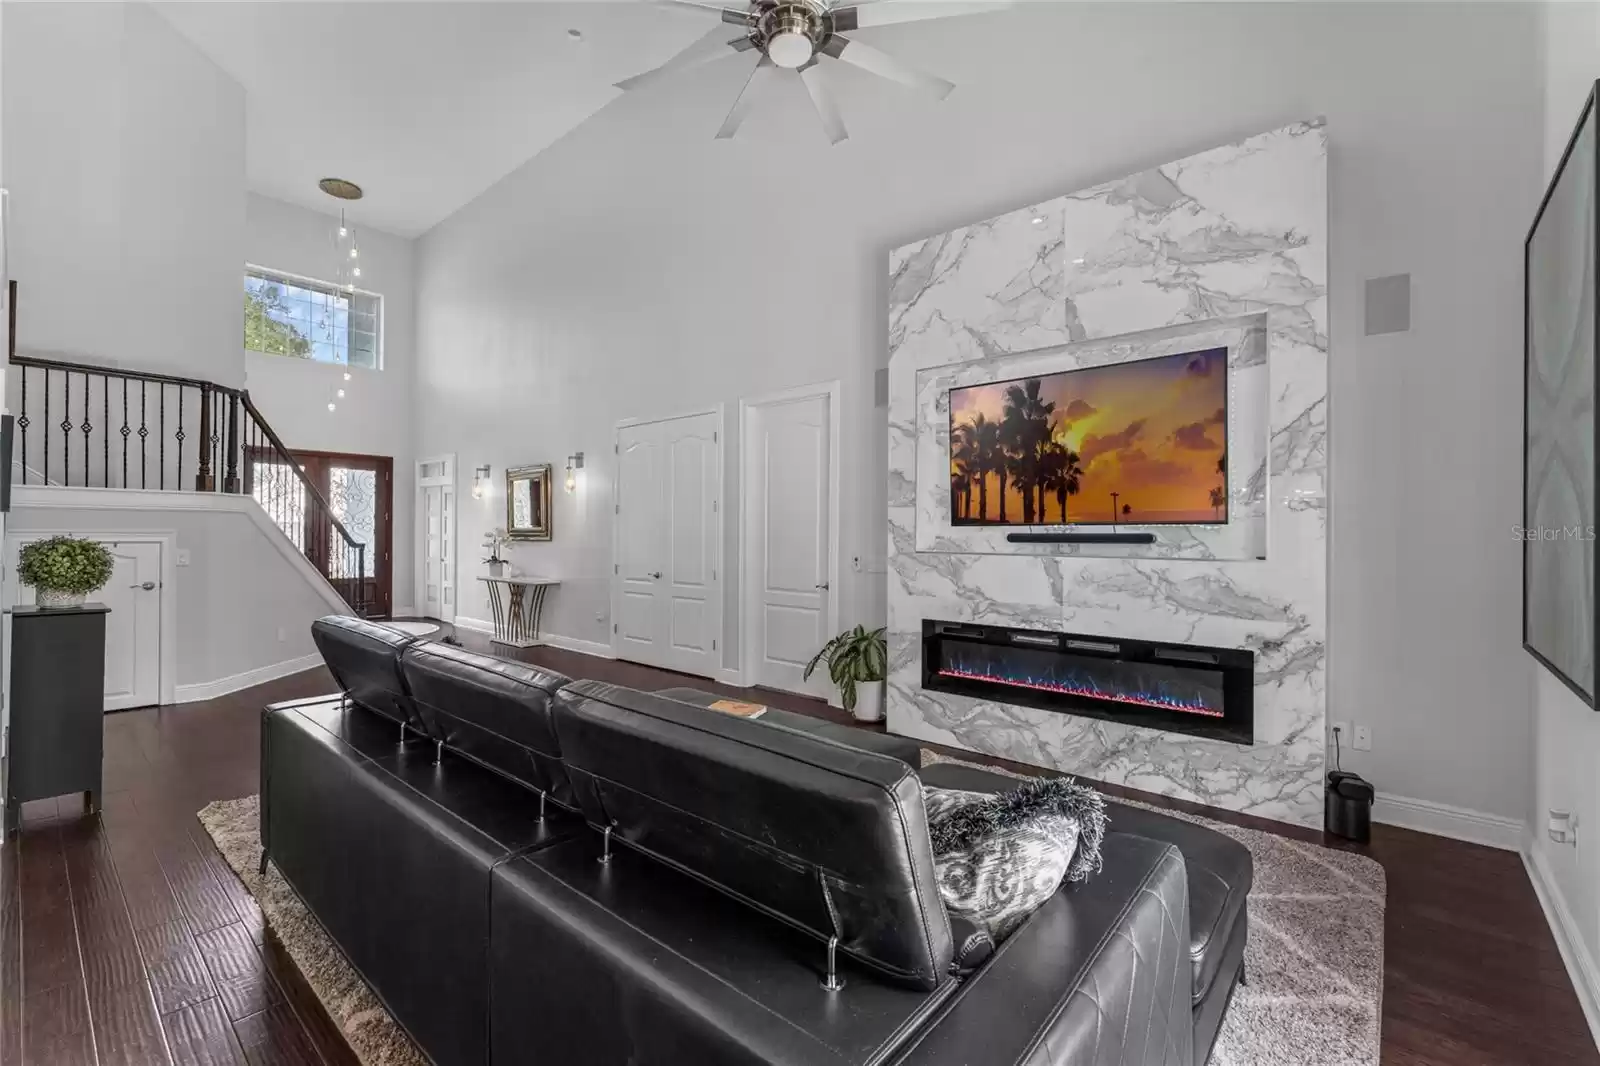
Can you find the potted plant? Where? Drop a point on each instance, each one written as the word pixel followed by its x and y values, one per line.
pixel 493 541
pixel 858 661
pixel 64 570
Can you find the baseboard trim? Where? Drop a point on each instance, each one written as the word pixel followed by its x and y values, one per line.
pixel 210 690
pixel 1575 954
pixel 1457 823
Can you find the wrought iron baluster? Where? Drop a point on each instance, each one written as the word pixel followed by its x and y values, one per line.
pixel 105 431
pixel 22 425
pixel 86 427
pixel 66 427
pixel 144 437
pixel 125 432
pixel 180 436
pixel 44 425
pixel 202 477
pixel 161 437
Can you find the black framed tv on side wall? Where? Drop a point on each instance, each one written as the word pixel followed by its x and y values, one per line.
pixel 1560 274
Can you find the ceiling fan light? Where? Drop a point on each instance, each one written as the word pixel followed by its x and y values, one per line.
pixel 790 49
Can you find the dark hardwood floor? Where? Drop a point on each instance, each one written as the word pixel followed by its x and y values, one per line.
pixel 125 938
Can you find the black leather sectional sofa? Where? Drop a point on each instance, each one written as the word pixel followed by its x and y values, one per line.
pixel 528 869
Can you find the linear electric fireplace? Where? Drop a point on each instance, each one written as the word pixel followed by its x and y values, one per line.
pixel 1181 688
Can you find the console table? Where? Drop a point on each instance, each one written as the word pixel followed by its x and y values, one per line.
pixel 516 603
pixel 58 694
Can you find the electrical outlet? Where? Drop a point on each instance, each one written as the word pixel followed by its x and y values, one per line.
pixel 1363 738
pixel 1342 731
pixel 283 634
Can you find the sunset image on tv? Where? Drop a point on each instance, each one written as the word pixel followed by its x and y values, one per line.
pixel 1140 443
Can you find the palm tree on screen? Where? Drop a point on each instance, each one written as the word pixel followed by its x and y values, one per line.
pixel 1027 429
pixel 963 469
pixel 1062 474
pixel 1218 499
pixel 983 436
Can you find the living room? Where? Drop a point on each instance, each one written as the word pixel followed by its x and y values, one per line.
pixel 586 294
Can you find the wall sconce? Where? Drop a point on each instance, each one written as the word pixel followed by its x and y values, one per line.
pixel 480 482
pixel 574 464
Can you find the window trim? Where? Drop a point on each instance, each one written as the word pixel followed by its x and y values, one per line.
pixel 305 281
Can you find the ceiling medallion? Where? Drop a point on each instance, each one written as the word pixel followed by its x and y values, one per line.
pixel 344 190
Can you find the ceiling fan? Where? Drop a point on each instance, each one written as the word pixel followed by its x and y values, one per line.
pixel 797 35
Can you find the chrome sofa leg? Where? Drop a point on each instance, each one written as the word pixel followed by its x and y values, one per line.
pixel 605 846
pixel 402 734
pixel 833 982
pixel 541 806
pixel 438 752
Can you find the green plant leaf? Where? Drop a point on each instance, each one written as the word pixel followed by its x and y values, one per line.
pixel 65 563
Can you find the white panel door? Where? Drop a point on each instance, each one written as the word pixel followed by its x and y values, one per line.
pixel 641 560
pixel 689 446
pixel 790 541
pixel 666 592
pixel 133 628
pixel 438 534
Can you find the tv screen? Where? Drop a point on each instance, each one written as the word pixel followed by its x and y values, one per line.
pixel 1140 443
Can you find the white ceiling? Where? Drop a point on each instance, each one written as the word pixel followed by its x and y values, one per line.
pixel 425 105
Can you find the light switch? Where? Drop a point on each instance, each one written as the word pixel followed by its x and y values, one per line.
pixel 183 556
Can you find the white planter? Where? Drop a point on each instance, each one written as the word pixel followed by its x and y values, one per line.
pixel 59 598
pixel 497 569
pixel 869 701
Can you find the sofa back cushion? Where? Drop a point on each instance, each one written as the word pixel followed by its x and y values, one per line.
pixel 364 658
pixel 828 838
pixel 494 712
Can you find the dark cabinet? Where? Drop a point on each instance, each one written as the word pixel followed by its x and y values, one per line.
pixel 58 681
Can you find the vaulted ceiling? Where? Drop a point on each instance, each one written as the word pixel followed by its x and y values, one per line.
pixel 427 104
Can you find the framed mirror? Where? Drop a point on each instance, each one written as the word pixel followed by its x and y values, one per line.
pixel 528 502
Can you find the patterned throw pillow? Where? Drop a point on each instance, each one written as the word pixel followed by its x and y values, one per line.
pixel 999 857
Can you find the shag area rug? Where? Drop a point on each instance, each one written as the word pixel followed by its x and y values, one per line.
pixel 1315 956
pixel 416 629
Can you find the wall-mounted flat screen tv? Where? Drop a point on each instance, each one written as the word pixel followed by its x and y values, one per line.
pixel 1138 443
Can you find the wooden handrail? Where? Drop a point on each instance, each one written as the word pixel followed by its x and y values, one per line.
pixel 120 372
pixel 287 458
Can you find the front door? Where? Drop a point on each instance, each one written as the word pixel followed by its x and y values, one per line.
pixel 666 591
pixel 359 490
pixel 788 527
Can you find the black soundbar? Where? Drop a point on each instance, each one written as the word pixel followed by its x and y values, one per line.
pixel 1081 538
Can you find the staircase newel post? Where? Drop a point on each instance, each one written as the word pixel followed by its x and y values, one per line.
pixel 230 479
pixel 204 480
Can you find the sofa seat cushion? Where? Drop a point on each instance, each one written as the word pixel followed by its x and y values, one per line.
pixel 1219 867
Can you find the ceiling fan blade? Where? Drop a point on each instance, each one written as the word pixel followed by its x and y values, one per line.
pixel 741 106
pixel 889 12
pixel 713 46
pixel 827 110
pixel 884 65
pixel 736 16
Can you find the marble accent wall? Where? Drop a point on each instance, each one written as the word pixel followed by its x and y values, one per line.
pixel 1195 245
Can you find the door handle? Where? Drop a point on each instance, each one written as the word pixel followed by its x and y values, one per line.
pixel 656 574
pixel 147 586
pixel 823 586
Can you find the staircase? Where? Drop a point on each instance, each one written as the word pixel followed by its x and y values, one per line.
pixel 83 426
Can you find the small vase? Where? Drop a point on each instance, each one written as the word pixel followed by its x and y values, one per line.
pixel 497 569
pixel 59 598
pixel 869 701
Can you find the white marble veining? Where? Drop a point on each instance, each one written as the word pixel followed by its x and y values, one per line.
pixel 1188 248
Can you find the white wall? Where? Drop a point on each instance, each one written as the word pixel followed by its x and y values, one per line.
pixel 232 600
pixel 293 394
pixel 1566 731
pixel 124 154
pixel 639 267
